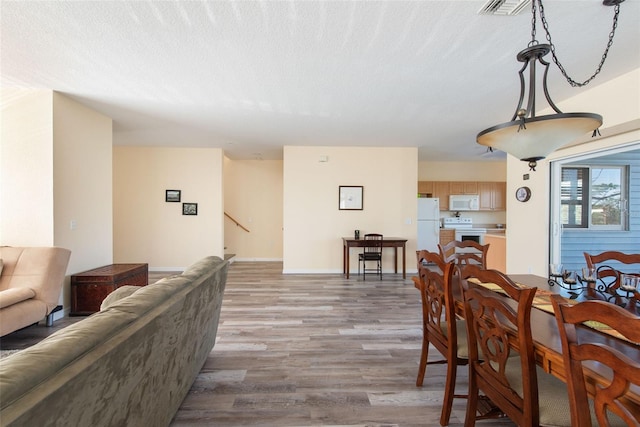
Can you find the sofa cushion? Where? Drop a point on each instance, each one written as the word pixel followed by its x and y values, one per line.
pixel 117 295
pixel 14 295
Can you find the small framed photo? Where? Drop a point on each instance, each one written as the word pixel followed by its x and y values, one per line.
pixel 172 195
pixel 350 197
pixel 189 209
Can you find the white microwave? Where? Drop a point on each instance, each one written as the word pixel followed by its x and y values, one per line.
pixel 464 202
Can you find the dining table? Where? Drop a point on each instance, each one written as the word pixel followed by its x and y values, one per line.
pixel 546 335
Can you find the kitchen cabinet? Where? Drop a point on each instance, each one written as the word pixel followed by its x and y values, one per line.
pixel 425 188
pixel 447 235
pixel 493 196
pixel 441 191
pixel 497 254
pixel 463 187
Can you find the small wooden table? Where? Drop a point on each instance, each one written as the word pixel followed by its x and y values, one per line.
pixel 90 288
pixel 387 242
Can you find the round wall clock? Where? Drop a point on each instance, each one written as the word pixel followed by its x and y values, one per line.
pixel 523 194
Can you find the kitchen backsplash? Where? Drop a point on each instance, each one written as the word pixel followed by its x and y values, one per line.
pixel 481 218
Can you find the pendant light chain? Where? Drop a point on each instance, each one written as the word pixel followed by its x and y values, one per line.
pixel 553 48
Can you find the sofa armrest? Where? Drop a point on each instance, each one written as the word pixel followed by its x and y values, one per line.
pixel 15 295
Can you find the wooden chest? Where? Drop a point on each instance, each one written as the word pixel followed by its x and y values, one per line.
pixel 90 288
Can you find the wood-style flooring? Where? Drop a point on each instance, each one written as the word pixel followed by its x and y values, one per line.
pixel 315 350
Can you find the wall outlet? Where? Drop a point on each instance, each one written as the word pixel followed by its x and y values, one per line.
pixel 73 224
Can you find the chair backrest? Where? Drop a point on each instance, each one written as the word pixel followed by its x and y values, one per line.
pixel 438 306
pixel 608 264
pixel 498 327
pixel 472 252
pixel 374 243
pixel 625 370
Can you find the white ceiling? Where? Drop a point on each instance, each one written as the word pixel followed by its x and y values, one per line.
pixel 252 76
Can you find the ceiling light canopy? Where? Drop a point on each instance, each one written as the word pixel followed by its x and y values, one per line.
pixel 527 136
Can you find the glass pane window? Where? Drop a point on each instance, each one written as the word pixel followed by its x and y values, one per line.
pixel 572 190
pixel 606 189
pixel 593 197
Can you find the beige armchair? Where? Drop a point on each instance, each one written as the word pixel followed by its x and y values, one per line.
pixel 31 280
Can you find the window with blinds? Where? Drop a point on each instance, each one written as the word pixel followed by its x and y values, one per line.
pixel 593 197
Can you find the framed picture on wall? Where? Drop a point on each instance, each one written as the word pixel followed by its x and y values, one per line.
pixel 350 197
pixel 172 196
pixel 189 209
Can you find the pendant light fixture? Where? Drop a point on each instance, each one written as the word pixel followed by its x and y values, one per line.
pixel 527 136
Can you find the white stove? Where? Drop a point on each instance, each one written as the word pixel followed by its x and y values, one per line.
pixel 464 229
pixel 458 222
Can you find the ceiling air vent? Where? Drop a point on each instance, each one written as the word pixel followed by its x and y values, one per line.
pixel 503 7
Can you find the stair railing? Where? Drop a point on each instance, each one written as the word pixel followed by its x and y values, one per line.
pixel 237 223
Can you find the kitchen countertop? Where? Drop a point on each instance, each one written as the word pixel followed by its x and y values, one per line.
pixel 498 231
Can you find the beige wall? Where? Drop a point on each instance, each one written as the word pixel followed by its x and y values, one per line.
pixel 314 225
pixel 26 168
pixel 463 171
pixel 148 229
pixel 528 223
pixel 83 206
pixel 253 197
pixel 56 168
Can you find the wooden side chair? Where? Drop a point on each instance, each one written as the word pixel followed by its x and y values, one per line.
pixel 478 256
pixel 608 400
pixel 501 357
pixel 439 325
pixel 609 264
pixel 372 252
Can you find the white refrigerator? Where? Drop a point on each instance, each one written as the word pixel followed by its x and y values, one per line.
pixel 428 224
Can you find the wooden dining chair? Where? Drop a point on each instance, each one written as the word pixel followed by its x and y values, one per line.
pixel 626 371
pixel 440 327
pixel 610 264
pixel 501 355
pixel 372 252
pixel 472 252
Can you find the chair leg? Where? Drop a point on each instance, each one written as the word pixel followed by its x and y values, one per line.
pixel 423 361
pixel 449 392
pixel 472 401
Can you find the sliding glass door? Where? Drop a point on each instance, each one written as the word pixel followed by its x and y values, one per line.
pixel 595 205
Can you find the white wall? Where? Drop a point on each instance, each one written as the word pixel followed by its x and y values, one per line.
pixel 253 197
pixel 148 229
pixel 313 223
pixel 528 223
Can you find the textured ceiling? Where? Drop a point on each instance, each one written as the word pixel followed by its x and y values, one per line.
pixel 250 77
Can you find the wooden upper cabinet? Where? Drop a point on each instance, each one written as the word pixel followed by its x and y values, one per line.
pixel 492 196
pixel 441 191
pixel 500 197
pixel 463 187
pixel 425 188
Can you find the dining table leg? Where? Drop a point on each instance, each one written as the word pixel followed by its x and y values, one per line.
pixel 404 261
pixel 345 260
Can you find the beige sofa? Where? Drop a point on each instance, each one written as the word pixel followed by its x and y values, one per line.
pixel 30 284
pixel 131 364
